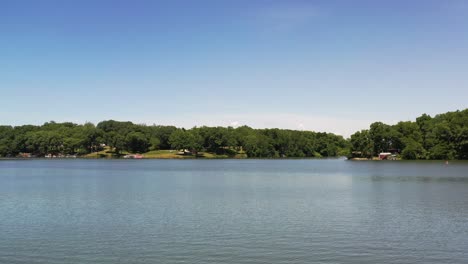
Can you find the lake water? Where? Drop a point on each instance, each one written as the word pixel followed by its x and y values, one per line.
pixel 232 211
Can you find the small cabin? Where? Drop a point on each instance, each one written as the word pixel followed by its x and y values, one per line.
pixel 385 155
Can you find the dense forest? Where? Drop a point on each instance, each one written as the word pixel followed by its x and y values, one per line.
pixel 443 136
pixel 126 137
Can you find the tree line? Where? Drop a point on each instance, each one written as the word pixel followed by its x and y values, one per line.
pixel 75 139
pixel 444 136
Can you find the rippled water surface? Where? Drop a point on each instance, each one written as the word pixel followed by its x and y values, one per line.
pixel 232 211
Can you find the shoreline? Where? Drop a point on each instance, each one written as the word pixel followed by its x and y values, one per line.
pixel 185 158
pixel 229 158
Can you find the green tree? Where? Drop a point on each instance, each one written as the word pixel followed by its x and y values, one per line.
pixel 259 146
pixel 136 142
pixel 155 143
pixel 413 150
pixel 381 135
pixel 115 141
pixel 186 139
pixel 362 144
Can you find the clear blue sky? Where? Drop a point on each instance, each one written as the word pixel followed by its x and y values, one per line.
pixel 321 65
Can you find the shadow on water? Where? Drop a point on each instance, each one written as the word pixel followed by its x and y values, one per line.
pixel 418 179
pixel 408 171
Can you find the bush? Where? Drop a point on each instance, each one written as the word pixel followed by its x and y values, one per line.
pixel 413 151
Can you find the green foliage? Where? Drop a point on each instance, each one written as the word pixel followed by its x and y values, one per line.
pixel 136 142
pixel 441 151
pixel 6 140
pixel 161 133
pixel 384 137
pixel 217 139
pixel 186 139
pixel 258 145
pixel 362 144
pixel 444 136
pixel 154 143
pixel 115 140
pixel 413 150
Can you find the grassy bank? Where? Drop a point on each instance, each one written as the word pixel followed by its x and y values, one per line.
pixel 164 154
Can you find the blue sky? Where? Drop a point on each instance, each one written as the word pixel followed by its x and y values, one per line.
pixel 330 66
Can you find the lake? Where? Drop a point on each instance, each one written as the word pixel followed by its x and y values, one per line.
pixel 232 211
